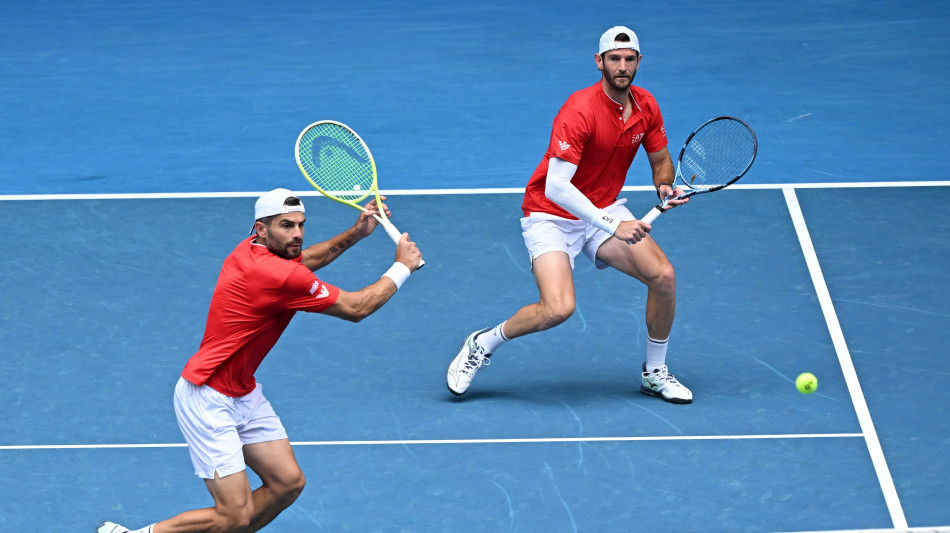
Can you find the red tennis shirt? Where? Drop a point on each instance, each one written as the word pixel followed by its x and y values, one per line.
pixel 589 132
pixel 256 296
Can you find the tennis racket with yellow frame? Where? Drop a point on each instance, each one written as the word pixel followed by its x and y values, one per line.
pixel 337 162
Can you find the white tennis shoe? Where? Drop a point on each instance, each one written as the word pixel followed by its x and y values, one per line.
pixel 462 370
pixel 662 384
pixel 109 527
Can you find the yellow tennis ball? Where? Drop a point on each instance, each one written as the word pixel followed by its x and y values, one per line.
pixel 806 383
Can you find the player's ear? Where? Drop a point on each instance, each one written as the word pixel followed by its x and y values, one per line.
pixel 599 61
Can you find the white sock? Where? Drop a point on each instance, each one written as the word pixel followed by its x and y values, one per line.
pixel 492 339
pixel 656 353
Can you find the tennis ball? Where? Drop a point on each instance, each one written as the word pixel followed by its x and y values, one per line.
pixel 806 383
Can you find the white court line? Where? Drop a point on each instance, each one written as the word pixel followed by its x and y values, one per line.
pixel 844 359
pixel 456 441
pixel 413 192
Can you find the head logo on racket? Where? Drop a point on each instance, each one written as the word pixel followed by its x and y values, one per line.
pixel 337 162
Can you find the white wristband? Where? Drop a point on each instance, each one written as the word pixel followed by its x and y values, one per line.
pixel 399 273
pixel 605 221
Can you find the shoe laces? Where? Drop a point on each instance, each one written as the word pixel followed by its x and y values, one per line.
pixel 663 374
pixel 476 358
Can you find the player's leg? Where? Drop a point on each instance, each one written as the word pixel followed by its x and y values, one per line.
pixel 232 511
pixel 553 275
pixel 208 422
pixel 236 507
pixel 556 298
pixel 646 262
pixel 552 244
pixel 281 477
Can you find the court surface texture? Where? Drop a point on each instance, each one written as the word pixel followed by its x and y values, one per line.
pixel 136 137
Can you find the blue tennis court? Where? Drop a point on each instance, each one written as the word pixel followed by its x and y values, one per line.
pixel 138 135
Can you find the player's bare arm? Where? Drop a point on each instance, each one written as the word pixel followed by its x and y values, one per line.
pixel 355 306
pixel 319 255
pixel 663 176
pixel 322 254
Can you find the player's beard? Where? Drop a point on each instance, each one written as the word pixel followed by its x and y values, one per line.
pixel 286 251
pixel 283 249
pixel 620 86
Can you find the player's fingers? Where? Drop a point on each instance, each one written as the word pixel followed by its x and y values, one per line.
pixel 385 208
pixel 404 241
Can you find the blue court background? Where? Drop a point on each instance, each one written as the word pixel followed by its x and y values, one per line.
pixel 104 299
pixel 105 97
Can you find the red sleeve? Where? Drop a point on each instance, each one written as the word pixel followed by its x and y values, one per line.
pixel 569 134
pixel 303 291
pixel 655 138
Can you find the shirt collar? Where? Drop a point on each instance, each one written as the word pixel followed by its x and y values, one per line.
pixel 617 105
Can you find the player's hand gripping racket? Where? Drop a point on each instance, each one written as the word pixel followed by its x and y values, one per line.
pixel 715 155
pixel 337 162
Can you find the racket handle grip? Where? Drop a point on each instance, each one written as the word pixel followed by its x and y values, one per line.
pixel 391 230
pixel 651 216
pixel 395 235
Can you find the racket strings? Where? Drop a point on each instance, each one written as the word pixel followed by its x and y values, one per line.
pixel 717 154
pixel 337 162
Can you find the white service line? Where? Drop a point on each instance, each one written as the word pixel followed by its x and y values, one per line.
pixel 844 359
pixel 417 192
pixel 539 440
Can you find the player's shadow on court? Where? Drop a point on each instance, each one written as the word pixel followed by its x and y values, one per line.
pixel 554 391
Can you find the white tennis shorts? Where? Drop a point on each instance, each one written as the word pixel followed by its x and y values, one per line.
pixel 216 427
pixel 545 233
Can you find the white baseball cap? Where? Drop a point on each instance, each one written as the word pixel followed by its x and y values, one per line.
pixel 608 41
pixel 272 203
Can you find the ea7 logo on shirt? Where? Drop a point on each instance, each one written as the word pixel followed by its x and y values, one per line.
pixel 323 290
pixel 563 145
pixel 637 138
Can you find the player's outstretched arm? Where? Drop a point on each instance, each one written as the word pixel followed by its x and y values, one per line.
pixel 355 306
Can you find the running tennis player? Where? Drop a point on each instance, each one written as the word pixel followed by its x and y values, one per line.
pixel 571 206
pixel 228 423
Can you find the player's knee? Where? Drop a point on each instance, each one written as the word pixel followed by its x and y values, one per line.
pixel 235 520
pixel 288 489
pixel 554 315
pixel 293 487
pixel 665 280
